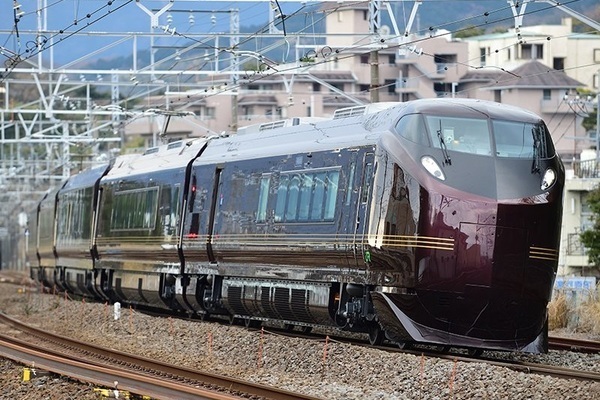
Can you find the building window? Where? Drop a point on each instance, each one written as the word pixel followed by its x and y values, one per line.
pixel 364 88
pixel 364 59
pixel 558 63
pixel 532 51
pixel 339 86
pixel 390 84
pixel 587 215
pixel 597 55
pixel 547 94
pixel 391 59
pixel 508 54
pixel 498 96
pixel 595 82
pixel 482 56
pixel 316 87
pixel 209 113
pixel 443 61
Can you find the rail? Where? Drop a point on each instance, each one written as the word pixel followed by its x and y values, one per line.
pixel 186 378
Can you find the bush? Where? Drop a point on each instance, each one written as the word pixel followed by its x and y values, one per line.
pixel 589 315
pixel 558 312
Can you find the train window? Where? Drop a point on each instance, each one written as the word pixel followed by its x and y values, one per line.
pixel 412 127
pixel 263 196
pixel 135 209
pixel 466 135
pixel 521 139
pixel 73 217
pixel 332 189
pixel 350 183
pixel 318 196
pixel 306 197
pixel 281 198
pixel 366 184
pixel 292 200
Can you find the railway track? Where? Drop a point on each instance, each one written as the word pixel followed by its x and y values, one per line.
pixel 577 345
pixel 134 373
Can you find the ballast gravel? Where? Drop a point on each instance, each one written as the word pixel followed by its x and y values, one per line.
pixel 321 368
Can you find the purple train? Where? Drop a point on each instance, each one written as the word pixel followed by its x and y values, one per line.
pixel 433 221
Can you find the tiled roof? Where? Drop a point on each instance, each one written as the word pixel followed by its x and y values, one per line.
pixel 534 74
pixel 253 99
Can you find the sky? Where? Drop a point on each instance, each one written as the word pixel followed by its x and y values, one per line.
pixel 126 16
pixel 120 17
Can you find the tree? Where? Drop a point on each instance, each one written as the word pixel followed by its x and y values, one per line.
pixel 469 31
pixel 590 238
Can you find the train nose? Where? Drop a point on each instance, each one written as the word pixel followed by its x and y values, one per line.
pixel 493 268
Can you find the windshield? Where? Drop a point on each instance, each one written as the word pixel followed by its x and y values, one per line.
pixel 472 135
pixel 522 140
pixel 464 135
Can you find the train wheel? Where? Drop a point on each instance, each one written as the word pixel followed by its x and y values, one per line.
pixel 376 334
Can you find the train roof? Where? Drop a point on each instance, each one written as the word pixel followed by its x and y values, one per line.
pixel 355 129
pixel 171 156
pixel 85 178
pixel 470 108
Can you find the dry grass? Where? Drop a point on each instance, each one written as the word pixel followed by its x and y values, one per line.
pixel 589 315
pixel 558 312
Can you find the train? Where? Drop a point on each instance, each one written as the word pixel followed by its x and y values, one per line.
pixel 434 221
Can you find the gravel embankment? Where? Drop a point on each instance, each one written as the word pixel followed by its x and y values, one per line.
pixel 335 371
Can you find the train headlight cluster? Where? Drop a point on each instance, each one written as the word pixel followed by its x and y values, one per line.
pixel 432 167
pixel 548 179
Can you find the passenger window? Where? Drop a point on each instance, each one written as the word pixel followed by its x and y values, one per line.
pixel 292 201
pixel 306 197
pixel 332 189
pixel 263 197
pixel 319 195
pixel 281 198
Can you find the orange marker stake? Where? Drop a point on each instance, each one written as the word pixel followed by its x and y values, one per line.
pixel 260 348
pixel 325 349
pixel 453 375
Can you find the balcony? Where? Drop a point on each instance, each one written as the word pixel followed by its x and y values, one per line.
pixel 586 169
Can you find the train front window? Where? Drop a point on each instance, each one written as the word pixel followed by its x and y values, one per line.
pixel 465 135
pixel 522 140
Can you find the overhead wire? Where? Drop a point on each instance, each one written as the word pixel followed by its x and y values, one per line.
pixel 349 48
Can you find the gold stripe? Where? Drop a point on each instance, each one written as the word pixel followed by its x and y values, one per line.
pixel 543 253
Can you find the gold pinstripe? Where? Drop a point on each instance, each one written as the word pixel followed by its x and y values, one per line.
pixel 543 253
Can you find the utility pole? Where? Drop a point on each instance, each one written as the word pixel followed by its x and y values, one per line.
pixel 374 25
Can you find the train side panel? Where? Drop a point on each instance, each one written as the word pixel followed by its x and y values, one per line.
pixel 138 233
pixel 76 204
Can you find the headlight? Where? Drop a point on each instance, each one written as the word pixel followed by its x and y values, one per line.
pixel 432 167
pixel 548 179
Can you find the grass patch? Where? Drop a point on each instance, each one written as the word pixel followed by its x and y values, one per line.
pixel 558 311
pixel 589 315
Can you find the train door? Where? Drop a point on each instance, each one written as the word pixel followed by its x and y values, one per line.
pixel 364 178
pixel 201 210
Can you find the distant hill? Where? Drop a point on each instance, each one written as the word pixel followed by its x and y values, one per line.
pixel 433 14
